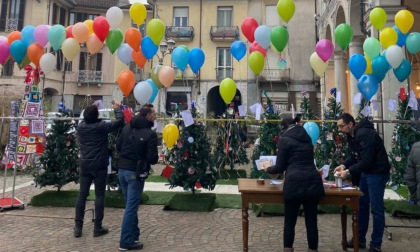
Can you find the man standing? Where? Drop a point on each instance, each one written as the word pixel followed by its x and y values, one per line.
pixel 93 138
pixel 369 163
pixel 138 142
pixel 412 174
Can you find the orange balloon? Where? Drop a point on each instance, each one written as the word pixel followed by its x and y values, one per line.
pixel 35 53
pixel 133 38
pixel 94 44
pixel 139 58
pixel 80 32
pixel 126 81
pixel 14 35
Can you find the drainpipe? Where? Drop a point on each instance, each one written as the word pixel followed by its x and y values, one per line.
pixel 362 15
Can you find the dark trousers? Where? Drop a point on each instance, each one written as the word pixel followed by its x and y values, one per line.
pixel 291 210
pixel 86 179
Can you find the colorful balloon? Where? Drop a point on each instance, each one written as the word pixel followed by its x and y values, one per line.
pixel 148 48
pixel 114 16
pixel 413 42
pixel 279 37
pixel 394 55
pixel 286 9
pixel 126 81
pixel 368 85
pixel 378 17
pixel 4 52
pixel 404 20
pixel 133 38
pixel 80 32
pixel 89 24
pixel 47 63
pixel 114 39
pixel 372 47
pixel 388 37
pixel 380 67
pixel 18 50
pixel 27 34
pixel 155 90
pixel 155 29
pixel 125 54
pixel 343 35
pixel 180 58
pixel 154 75
pixel 170 134
pixel 93 44
pixel 34 53
pixel 256 47
pixel 248 27
pixel 14 35
pixel 325 49
pixel 357 65
pixel 313 131
pixel 227 90
pixel 41 35
pixel 138 13
pixel 166 76
pixel 143 92
pixel 70 48
pixel 56 36
pixel 139 58
pixel 237 48
pixel 317 64
pixel 256 62
pixel 101 27
pixel 196 59
pixel 368 65
pixel 262 35
pixel 401 37
pixel 69 32
pixel 403 71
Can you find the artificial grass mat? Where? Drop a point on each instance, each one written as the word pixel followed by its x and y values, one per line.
pixel 402 208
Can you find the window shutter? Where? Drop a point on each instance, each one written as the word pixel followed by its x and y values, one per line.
pixel 3 15
pixel 99 62
pixel 21 14
pixel 82 61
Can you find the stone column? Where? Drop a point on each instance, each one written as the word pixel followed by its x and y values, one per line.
pixel 340 78
pixel 356 46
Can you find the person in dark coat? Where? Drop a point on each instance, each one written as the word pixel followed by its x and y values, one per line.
pixel 93 139
pixel 138 142
pixel 412 174
pixel 302 184
pixel 369 167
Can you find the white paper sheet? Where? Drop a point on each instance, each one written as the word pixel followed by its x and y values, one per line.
pixel 392 105
pixel 187 118
pixel 338 97
pixel 357 99
pixel 413 101
pixel 375 105
pixel 258 112
pixel 241 110
pixel 159 127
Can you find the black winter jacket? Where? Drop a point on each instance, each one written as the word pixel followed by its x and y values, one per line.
pixel 368 154
pixel 295 155
pixel 93 140
pixel 137 142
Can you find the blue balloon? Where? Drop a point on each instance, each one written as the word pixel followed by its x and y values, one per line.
pixel 401 36
pixel 380 67
pixel 27 34
pixel 18 50
pixel 403 71
pixel 357 65
pixel 155 90
pixel 196 59
pixel 125 53
pixel 413 42
pixel 180 57
pixel 238 49
pixel 368 85
pixel 148 47
pixel 313 131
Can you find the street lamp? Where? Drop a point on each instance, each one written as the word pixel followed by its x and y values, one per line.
pixel 165 48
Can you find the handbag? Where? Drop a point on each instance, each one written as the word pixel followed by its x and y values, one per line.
pixel 142 166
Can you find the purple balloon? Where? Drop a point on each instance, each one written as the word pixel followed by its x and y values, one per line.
pixel 4 52
pixel 41 34
pixel 324 49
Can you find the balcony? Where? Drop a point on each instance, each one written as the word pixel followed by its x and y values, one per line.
pixel 224 33
pixel 89 76
pixel 274 75
pixel 184 33
pixel 188 74
pixel 223 72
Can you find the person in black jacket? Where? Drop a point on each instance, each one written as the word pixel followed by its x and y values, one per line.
pixel 138 142
pixel 369 167
pixel 302 183
pixel 93 139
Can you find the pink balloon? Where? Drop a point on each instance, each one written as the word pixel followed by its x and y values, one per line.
pixel 4 51
pixel 257 47
pixel 41 35
pixel 166 76
pixel 324 49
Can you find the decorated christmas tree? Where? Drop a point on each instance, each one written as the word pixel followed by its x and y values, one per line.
pixel 403 137
pixel 331 148
pixel 305 108
pixel 229 149
pixel 268 135
pixel 60 158
pixel 113 180
pixel 192 158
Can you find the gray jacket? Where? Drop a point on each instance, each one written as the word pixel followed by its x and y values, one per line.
pixel 412 172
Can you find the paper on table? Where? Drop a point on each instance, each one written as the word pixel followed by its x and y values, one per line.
pixel 275 182
pixel 273 158
pixel 187 118
pixel 348 188
pixel 241 110
pixel 325 170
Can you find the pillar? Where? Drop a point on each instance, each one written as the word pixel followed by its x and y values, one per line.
pixel 356 46
pixel 340 78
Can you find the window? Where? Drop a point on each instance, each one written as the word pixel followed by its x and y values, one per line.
pixel 11 15
pixel 8 68
pixel 90 62
pixel 76 17
pixel 180 16
pixel 272 18
pixel 174 100
pixel 224 63
pixel 224 16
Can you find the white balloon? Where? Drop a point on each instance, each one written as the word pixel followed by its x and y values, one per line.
pixel 47 63
pixel 125 53
pixel 394 55
pixel 3 38
pixel 115 16
pixel 143 92
pixel 262 36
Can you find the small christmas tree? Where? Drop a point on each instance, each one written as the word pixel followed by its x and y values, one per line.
pixel 113 180
pixel 268 136
pixel 403 137
pixel 305 108
pixel 193 166
pixel 60 158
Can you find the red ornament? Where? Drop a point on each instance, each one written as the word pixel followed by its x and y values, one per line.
pixel 276 138
pixel 185 154
pixel 166 173
pixel 403 96
pixel 197 185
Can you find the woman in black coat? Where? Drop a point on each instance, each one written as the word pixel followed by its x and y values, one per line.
pixel 302 184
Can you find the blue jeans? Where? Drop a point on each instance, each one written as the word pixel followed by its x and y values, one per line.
pixel 132 189
pixel 373 188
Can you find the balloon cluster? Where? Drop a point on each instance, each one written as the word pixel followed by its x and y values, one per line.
pixel 371 68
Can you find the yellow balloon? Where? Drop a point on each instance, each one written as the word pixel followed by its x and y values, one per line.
pixel 89 23
pixel 286 9
pixel 256 62
pixel 70 48
pixel 404 20
pixel 377 18
pixel 227 90
pixel 388 37
pixel 317 64
pixel 138 13
pixel 368 65
pixel 155 30
pixel 170 134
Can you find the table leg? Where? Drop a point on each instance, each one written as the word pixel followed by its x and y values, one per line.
pixel 344 227
pixel 245 224
pixel 355 225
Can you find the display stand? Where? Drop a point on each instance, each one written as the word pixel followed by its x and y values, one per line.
pixel 10 202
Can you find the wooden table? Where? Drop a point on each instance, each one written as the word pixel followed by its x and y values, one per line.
pixel 251 192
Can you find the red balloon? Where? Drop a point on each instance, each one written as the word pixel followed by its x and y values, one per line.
pixel 248 27
pixel 257 47
pixel 69 33
pixel 101 27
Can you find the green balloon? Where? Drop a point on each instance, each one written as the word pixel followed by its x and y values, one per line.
pixel 372 47
pixel 279 37
pixel 154 76
pixel 114 39
pixel 343 35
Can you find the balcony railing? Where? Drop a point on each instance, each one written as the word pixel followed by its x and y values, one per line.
pixel 274 75
pixel 188 74
pixel 12 24
pixel 223 33
pixel 88 76
pixel 185 33
pixel 224 72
